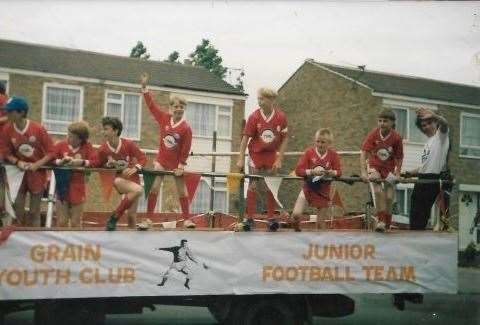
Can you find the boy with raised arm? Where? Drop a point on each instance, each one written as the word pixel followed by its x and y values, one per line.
pixel 175 142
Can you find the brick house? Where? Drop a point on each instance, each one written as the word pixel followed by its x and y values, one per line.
pixel 66 85
pixel 347 100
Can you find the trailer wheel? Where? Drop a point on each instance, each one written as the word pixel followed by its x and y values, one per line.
pixel 266 312
pixel 221 310
pixel 53 313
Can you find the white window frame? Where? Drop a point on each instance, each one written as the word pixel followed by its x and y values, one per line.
pixel 207 181
pixel 217 114
pixel 227 197
pixel 462 114
pixel 6 76
pixel 405 188
pixel 121 102
pixel 44 103
pixel 409 107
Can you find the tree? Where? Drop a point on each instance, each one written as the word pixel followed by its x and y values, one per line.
pixel 139 51
pixel 206 55
pixel 173 57
pixel 239 84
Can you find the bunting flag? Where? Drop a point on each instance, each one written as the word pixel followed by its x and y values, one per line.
pixel 106 181
pixel 62 182
pixel 14 181
pixel 337 200
pixel 191 182
pixel 233 182
pixel 5 232
pixel 148 179
pixel 273 184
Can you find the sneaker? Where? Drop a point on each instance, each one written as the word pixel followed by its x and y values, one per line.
pixel 380 227
pixel 245 225
pixel 112 223
pixel 296 226
pixel 145 224
pixel 273 225
pixel 189 224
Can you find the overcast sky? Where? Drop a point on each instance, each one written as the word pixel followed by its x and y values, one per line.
pixel 269 40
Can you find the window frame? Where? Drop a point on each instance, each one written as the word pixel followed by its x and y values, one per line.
pixel 404 188
pixel 217 114
pixel 122 103
pixel 462 114
pixel 46 85
pixel 224 189
pixel 409 107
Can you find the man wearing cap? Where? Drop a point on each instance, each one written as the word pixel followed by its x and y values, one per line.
pixel 434 165
pixel 28 146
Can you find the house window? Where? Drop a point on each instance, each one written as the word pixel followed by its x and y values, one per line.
pixel 62 105
pixel 201 202
pixel 470 135
pixel 402 202
pixel 206 118
pixel 127 108
pixel 405 124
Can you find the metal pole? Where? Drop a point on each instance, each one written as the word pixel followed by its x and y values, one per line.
pixel 212 178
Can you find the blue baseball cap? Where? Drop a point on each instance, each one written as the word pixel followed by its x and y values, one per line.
pixel 16 104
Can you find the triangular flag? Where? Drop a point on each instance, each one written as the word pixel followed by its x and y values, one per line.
pixel 337 200
pixel 191 182
pixel 14 180
pixel 62 182
pixel 273 184
pixel 233 182
pixel 106 181
pixel 148 179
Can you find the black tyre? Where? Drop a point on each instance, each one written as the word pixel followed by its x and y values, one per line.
pixel 269 311
pixel 221 310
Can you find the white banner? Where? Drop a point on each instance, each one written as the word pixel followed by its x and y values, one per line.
pixel 74 264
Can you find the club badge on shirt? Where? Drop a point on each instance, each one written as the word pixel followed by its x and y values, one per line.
pixel 267 136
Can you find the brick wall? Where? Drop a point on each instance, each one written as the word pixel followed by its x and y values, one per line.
pixel 31 87
pixel 313 98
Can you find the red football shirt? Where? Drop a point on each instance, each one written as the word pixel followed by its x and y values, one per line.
pixel 267 132
pixel 126 154
pixel 310 159
pixel 175 138
pixel 383 151
pixel 76 193
pixel 30 144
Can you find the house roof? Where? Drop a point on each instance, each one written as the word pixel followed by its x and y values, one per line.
pixel 410 86
pixel 79 63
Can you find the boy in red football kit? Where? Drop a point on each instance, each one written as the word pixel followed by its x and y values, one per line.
pixel 316 162
pixel 75 151
pixel 266 135
pixel 175 143
pixel 383 148
pixel 28 146
pixel 123 154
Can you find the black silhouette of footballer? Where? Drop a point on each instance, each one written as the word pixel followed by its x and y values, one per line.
pixel 181 255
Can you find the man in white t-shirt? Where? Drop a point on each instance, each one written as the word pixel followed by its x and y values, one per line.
pixel 434 163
